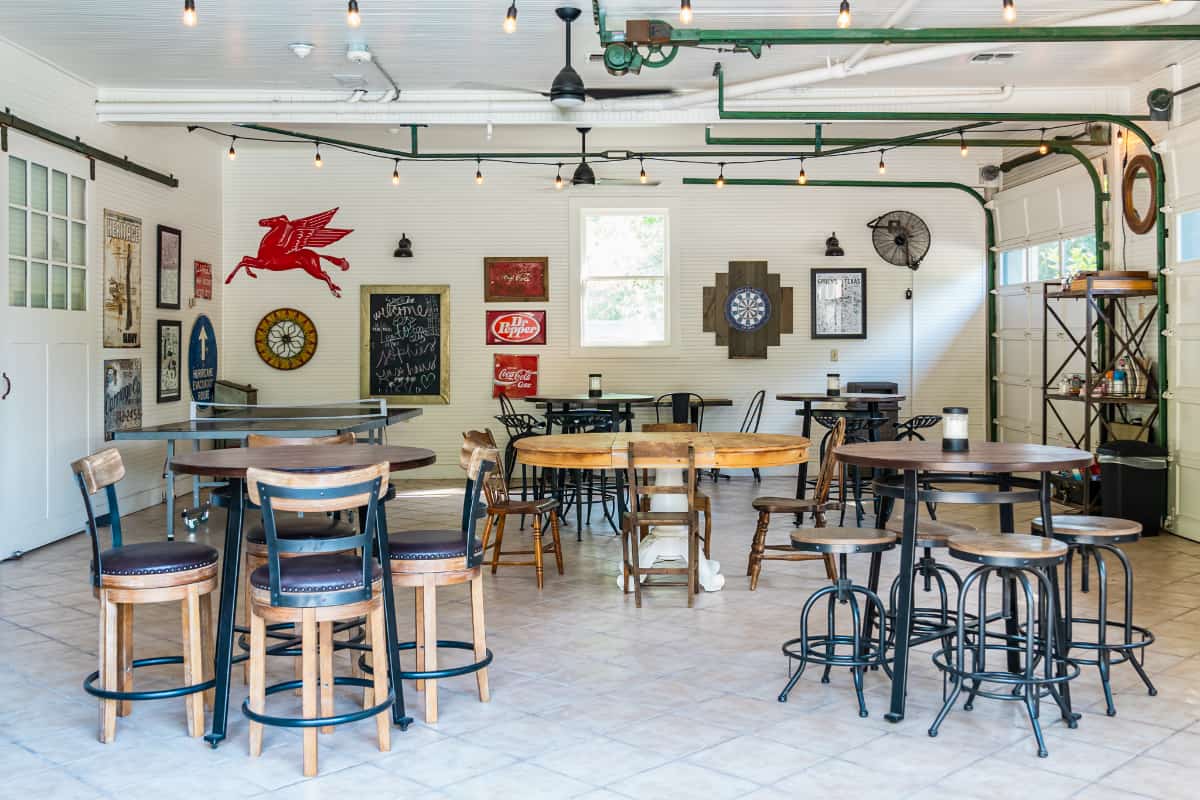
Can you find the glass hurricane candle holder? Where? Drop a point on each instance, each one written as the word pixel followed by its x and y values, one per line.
pixel 833 384
pixel 594 385
pixel 955 429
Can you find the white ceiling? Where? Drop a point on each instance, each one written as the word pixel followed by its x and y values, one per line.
pixel 433 44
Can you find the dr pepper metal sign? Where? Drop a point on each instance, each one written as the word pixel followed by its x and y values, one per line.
pixel 516 327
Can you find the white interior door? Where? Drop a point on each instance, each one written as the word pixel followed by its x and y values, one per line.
pixel 48 328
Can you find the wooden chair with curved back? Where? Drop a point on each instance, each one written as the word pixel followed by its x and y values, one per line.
pixel 703 501
pixel 817 505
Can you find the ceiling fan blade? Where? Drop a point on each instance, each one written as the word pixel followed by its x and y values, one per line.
pixel 616 93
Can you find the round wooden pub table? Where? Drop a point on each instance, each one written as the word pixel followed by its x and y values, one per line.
pixel 713 451
pixel 231 464
pixel 907 465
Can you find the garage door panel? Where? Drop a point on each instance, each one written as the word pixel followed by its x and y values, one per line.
pixel 1013 311
pixel 1014 357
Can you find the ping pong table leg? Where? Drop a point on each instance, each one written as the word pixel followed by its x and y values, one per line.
pixel 169 474
pixel 231 559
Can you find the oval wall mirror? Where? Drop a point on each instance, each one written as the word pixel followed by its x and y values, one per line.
pixel 1139 187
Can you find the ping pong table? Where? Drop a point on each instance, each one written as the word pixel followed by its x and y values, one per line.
pixel 233 421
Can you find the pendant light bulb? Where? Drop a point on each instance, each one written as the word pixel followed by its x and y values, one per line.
pixel 963 150
pixel 189 13
pixel 478 173
pixel 642 174
pixel 353 18
pixel 685 12
pixel 558 181
pixel 510 19
pixel 317 162
pixel 232 151
pixel 1043 148
pixel 802 178
pixel 1009 12
pixel 1120 135
pixel 721 175
pixel 882 166
pixel 843 18
pixel 396 172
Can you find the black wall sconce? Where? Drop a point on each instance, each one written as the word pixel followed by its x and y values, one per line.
pixel 403 247
pixel 833 247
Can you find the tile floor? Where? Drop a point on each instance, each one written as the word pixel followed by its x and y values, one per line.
pixel 593 698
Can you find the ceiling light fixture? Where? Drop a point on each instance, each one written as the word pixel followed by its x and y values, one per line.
pixel 567 90
pixel 721 175
pixel 962 145
pixel 843 18
pixel 558 181
pixel 189 13
pixel 882 166
pixel 301 50
pixel 685 12
pixel 1043 148
pixel 802 179
pixel 396 172
pixel 317 162
pixel 478 173
pixel 510 19
pixel 642 174
pixel 353 18
pixel 232 152
pixel 1009 12
pixel 583 175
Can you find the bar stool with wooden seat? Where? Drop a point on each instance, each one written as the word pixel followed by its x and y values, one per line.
pixel 1091 537
pixel 500 504
pixel 856 650
pixel 126 575
pixel 1040 666
pixel 930 622
pixel 703 501
pixel 817 505
pixel 427 559
pixel 322 582
pixel 642 457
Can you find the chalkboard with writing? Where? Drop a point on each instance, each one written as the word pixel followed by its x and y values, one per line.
pixel 405 343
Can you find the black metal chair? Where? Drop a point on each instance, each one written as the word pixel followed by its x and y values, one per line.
pixel 750 424
pixel 859 427
pixel 685 407
pixel 518 425
pixel 577 488
pixel 911 429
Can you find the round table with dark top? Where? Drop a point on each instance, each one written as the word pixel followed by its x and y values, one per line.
pixel 231 464
pixel 926 463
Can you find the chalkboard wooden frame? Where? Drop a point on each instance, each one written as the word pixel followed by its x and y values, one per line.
pixel 366 293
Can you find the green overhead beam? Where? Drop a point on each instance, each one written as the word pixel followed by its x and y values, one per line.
pixel 663 34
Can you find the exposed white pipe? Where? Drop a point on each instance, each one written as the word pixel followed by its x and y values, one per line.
pixel 899 15
pixel 1001 95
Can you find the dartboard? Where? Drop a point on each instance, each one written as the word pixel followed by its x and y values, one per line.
pixel 285 338
pixel 747 309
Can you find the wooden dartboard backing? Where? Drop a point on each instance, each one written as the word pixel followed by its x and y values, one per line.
pixel 1137 222
pixel 285 339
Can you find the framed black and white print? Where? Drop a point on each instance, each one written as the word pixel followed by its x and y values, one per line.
pixel 839 304
pixel 170 250
pixel 170 349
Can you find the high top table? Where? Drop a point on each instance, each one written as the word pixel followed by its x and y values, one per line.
pixel 984 462
pixel 619 403
pixel 231 464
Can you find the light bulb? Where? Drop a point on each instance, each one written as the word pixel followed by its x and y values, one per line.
pixel 396 173
pixel 317 162
pixel 802 179
pixel 353 18
pixel 478 174
pixel 882 166
pixel 189 13
pixel 721 176
pixel 962 145
pixel 232 152
pixel 510 19
pixel 1120 135
pixel 1043 148
pixel 843 18
pixel 558 181
pixel 685 12
pixel 1009 11
pixel 642 174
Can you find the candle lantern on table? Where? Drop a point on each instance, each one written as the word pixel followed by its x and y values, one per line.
pixel 833 384
pixel 955 429
pixel 594 385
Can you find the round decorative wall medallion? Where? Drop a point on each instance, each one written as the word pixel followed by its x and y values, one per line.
pixel 285 338
pixel 747 309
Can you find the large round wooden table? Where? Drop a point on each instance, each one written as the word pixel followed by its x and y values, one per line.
pixel 713 450
pixel 231 464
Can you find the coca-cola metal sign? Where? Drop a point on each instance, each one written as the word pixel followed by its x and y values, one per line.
pixel 516 327
pixel 514 376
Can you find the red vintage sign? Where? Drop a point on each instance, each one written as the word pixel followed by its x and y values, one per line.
pixel 292 244
pixel 514 376
pixel 520 279
pixel 516 327
pixel 203 272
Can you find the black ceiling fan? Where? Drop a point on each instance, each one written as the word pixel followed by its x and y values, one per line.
pixel 567 91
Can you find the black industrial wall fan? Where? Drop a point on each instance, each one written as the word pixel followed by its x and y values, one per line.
pixel 901 238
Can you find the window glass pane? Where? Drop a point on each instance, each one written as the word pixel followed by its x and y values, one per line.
pixel 58 287
pixel 1079 254
pixel 59 196
pixel 16 282
pixel 1012 267
pixel 58 239
pixel 78 289
pixel 37 188
pixel 38 233
pixel 1189 236
pixel 624 312
pixel 38 279
pixel 78 197
pixel 16 232
pixel 1045 261
pixel 16 180
pixel 624 244
pixel 78 243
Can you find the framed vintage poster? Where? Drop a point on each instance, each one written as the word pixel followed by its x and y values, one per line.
pixel 839 304
pixel 122 280
pixel 514 376
pixel 516 327
pixel 122 395
pixel 170 246
pixel 516 280
pixel 202 275
pixel 170 361
pixel 404 343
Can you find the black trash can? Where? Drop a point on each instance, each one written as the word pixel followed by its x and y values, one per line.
pixel 1133 482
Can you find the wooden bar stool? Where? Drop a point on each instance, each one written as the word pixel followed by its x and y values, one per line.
pixel 500 504
pixel 425 560
pixel 817 505
pixel 1090 538
pixel 320 584
pixel 127 575
pixel 703 501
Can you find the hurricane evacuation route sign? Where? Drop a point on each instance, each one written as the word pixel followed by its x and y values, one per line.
pixel 202 360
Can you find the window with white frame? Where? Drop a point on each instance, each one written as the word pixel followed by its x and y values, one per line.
pixel 624 269
pixel 47 237
pixel 1048 261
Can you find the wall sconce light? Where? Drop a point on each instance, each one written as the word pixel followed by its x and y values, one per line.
pixel 403 247
pixel 833 247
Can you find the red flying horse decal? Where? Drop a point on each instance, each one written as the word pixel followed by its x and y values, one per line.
pixel 286 246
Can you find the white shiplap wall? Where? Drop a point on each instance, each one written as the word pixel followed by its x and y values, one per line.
pixel 454 224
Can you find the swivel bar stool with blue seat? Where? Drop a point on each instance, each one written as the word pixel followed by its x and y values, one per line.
pixel 125 575
pixel 323 582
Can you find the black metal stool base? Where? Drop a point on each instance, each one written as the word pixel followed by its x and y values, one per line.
pixel 289 641
pixel 317 722
pixel 89 683
pixel 435 674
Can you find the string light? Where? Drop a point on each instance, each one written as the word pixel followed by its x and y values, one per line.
pixel 189 13
pixel 843 19
pixel 803 177
pixel 642 174
pixel 1120 135
pixel 882 166
pixel 396 172
pixel 478 173
pixel 558 181
pixel 510 19
pixel 1043 148
pixel 685 12
pixel 1009 12
pixel 962 145
pixel 317 158
pixel 353 18
pixel 232 152
pixel 721 176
